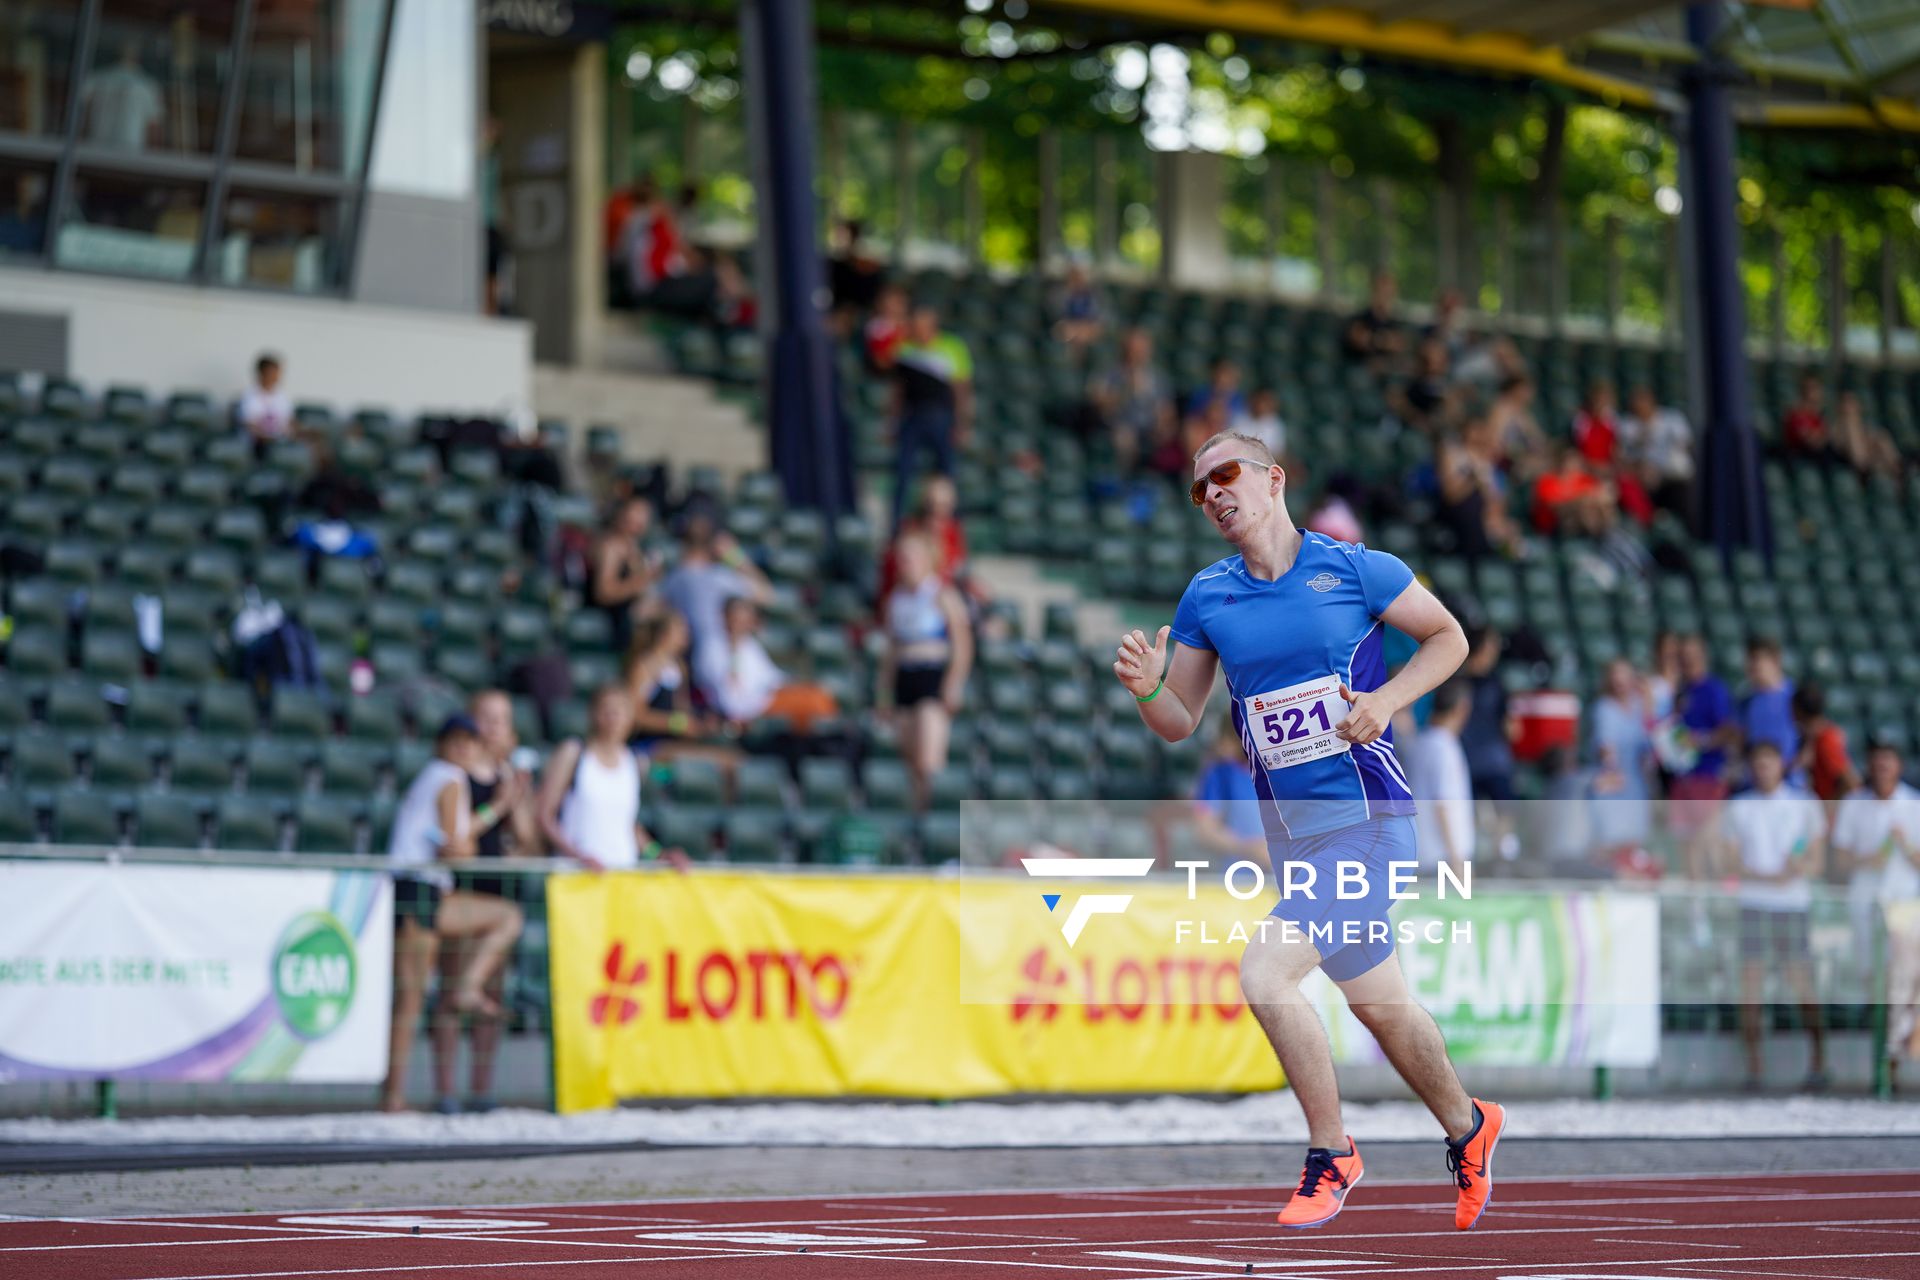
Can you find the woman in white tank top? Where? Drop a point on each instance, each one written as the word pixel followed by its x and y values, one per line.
pixel 590 798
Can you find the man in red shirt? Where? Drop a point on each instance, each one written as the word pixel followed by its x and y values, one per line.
pixel 1803 428
pixel 1596 433
pixel 1823 746
pixel 1571 499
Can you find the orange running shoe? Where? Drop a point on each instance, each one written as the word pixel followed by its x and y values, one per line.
pixel 1470 1161
pixel 1323 1188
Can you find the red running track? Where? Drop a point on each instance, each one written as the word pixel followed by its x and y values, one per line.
pixel 1855 1226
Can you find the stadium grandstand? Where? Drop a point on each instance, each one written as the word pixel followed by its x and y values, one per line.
pixel 535 538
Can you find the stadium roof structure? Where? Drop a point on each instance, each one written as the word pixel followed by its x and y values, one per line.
pixel 1802 63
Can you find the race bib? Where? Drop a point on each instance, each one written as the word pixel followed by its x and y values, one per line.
pixel 1294 725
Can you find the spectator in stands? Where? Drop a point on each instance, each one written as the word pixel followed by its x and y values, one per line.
pixel 651 250
pixel 1596 426
pixel 1490 729
pixel 1375 338
pixel 1524 449
pixel 122 105
pixel 935 518
pixel 1221 395
pixel 491 212
pixel 1132 402
pixel 1711 732
pixel 666 723
pixel 886 328
pixel 1441 781
pixel 623 573
pixel 1079 314
pixel 1657 442
pixel 590 796
pixel 933 401
pixel 1823 760
pixel 855 274
pixel 1876 845
pixel 1803 428
pixel 1334 511
pixel 1263 421
pixel 433 825
pixel 1622 751
pixel 1226 809
pixel 735 309
pixel 1429 399
pixel 1775 834
pixel 621 204
pixel 712 570
pixel 266 412
pixel 1473 499
pixel 741 681
pixel 1664 678
pixel 1449 326
pixel 928 658
pixel 506 823
pixel 1868 449
pixel 1766 712
pixel 1571 500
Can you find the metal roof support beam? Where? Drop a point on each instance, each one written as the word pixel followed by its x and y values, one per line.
pixel 808 447
pixel 1735 503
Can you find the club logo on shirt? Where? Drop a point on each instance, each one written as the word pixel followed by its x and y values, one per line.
pixel 1325 582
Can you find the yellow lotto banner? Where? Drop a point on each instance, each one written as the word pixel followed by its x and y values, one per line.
pixel 718 984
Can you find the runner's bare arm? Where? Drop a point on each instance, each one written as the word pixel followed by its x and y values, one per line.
pixel 1174 712
pixel 1443 647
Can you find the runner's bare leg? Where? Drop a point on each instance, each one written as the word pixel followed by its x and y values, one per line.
pixel 1271 970
pixel 1412 1042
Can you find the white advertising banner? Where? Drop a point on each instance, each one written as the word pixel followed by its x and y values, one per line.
pixel 193 973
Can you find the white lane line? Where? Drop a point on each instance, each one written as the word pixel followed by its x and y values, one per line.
pixel 444 1266
pixel 1509 1180
pixel 1294 1264
pixel 1670 1244
pixel 874 1208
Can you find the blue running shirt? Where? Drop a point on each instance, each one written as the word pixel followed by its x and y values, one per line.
pixel 1284 646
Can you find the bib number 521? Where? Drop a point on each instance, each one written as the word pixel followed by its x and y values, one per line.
pixel 1295 723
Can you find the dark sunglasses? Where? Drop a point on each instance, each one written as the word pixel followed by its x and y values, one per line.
pixel 1223 475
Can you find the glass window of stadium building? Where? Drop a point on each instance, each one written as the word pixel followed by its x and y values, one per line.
pixel 214 142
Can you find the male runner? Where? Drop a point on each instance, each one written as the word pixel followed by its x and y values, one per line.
pixel 1296 619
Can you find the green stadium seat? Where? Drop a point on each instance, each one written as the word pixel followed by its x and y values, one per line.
pixel 332 619
pixel 158 707
pixel 227 708
pixel 111 655
pixel 325 824
pixel 178 527
pixel 419 583
pixel 42 760
pixel 760 782
pixel 19 824
pixel 86 817
pixel 250 823
pixel 76 706
pixel 240 528
pixel 343 579
pixel 70 476
pixel 466 667
pixel 394 622
pixel 79 561
pixel 186 652
pixel 397 663
pixel 41 603
pixel 352 767
pixel 680 827
pixel 121 763
pixel 145 567
pixel 940 837
pixel 693 781
pixel 36 516
pixel 201 764
pixel 205 485
pixel 300 713
pixel 753 835
pixel 277 764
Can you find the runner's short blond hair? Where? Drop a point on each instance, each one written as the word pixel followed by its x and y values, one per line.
pixel 1254 446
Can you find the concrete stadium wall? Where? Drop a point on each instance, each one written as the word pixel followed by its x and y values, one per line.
pixel 168 337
